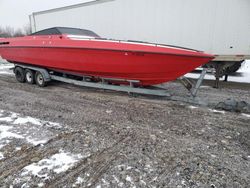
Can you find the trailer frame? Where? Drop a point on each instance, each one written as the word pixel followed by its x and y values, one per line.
pixel 131 88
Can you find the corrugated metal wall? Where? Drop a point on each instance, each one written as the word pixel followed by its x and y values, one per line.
pixel 216 26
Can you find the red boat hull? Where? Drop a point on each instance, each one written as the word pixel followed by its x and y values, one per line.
pixel 146 63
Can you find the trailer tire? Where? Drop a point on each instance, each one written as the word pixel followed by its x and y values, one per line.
pixel 29 76
pixel 19 73
pixel 39 78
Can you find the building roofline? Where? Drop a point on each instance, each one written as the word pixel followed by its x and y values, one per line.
pixel 93 2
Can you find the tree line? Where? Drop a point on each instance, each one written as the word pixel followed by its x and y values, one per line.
pixel 8 31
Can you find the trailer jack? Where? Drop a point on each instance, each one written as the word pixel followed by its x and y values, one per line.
pixel 191 86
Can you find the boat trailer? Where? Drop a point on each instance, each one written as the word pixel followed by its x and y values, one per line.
pixel 42 76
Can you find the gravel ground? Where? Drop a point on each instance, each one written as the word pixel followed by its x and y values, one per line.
pixel 66 136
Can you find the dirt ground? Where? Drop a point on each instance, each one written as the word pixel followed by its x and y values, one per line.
pixel 67 136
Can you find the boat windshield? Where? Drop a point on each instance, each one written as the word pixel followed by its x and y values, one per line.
pixel 67 31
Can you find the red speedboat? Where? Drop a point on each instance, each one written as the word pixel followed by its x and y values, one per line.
pixel 83 52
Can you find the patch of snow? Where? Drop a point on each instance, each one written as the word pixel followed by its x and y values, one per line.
pixel 192 107
pixel 6 119
pixel 24 185
pixel 217 111
pixel 228 137
pixel 224 141
pixel 212 185
pixel 5 72
pixel 129 179
pixel 129 168
pixel 1 156
pixel 119 166
pixel 105 183
pixel 155 178
pixel 149 168
pixel 79 181
pixel 120 184
pixel 5 133
pixel 40 184
pixel 143 182
pixel 98 186
pixel 58 163
pixel 36 142
pixel 24 127
pixel 205 87
pixel 109 111
pixel 5 66
pixel 4 69
pixel 246 115
pixel 16 119
pixel 18 148
pixel 25 120
pixel 183 182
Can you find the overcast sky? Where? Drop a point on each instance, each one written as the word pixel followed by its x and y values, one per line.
pixel 16 12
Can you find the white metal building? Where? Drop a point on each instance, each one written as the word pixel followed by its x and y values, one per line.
pixel 220 27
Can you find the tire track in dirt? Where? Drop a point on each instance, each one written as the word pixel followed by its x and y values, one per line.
pixel 97 163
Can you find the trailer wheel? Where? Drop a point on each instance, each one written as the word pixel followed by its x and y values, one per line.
pixel 39 78
pixel 19 73
pixel 29 76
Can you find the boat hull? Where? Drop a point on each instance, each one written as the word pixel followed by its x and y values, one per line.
pixel 148 68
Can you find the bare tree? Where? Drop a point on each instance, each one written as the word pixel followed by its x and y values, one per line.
pixel 18 33
pixel 8 31
pixel 1 32
pixel 4 33
pixel 27 29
